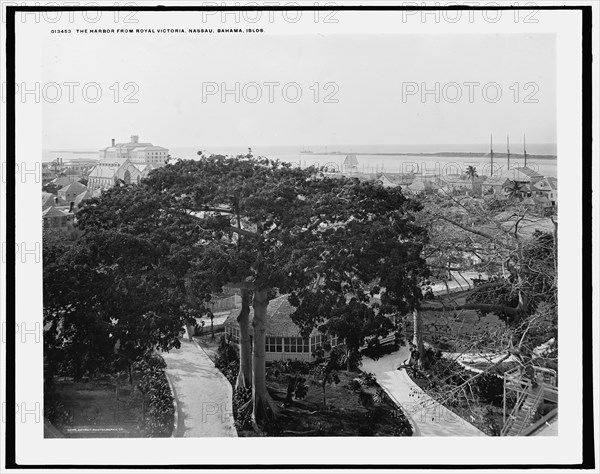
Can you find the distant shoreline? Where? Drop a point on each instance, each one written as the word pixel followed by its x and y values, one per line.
pixel 89 152
pixel 448 154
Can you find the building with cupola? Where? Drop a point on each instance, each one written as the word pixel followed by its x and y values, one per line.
pixel 136 152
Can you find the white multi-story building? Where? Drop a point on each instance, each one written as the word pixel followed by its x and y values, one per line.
pixel 136 152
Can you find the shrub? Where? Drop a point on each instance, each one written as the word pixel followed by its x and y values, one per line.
pixel 367 379
pixel 159 417
pixel 227 359
pixel 291 372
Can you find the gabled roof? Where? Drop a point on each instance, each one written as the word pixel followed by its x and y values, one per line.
pixel 103 172
pixel 526 171
pixel 546 184
pixel 82 197
pixel 350 160
pixel 53 212
pixel 75 187
pixel 386 182
pixel 47 200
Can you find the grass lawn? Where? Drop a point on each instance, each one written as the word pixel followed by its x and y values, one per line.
pixel 98 409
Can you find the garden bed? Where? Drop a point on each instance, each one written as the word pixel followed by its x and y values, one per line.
pixel 344 415
pixel 352 403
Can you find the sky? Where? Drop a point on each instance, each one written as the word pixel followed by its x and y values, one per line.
pixel 355 89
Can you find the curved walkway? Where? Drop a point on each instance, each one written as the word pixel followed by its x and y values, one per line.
pixel 202 393
pixel 427 416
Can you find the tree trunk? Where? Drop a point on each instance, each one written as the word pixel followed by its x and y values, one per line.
pixel 324 397
pixel 263 410
pixel 212 328
pixel 244 379
pixel 418 333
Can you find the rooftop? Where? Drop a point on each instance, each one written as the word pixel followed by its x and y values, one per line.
pixel 279 321
pixel 75 187
pixel 351 160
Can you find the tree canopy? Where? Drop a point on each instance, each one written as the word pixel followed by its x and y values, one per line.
pixel 264 226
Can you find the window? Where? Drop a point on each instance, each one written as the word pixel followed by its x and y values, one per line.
pixel 286 344
pixel 278 345
pixel 305 346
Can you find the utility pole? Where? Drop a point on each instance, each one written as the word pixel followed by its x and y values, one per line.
pixel 524 151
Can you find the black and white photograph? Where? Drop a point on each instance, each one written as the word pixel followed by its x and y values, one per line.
pixel 333 228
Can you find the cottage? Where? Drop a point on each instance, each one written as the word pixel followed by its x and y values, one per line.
pixel 546 187
pixel 68 193
pixel 58 218
pixel 283 338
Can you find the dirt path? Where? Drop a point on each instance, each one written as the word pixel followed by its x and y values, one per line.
pixel 428 417
pixel 202 393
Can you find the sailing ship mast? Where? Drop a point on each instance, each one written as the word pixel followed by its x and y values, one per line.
pixel 507 152
pixel 491 157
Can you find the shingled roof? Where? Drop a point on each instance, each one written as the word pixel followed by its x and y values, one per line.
pixel 279 321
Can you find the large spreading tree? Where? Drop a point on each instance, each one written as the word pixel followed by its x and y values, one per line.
pixel 329 242
pixel 265 227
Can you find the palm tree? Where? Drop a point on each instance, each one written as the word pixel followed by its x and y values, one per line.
pixel 471 173
pixel 514 190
